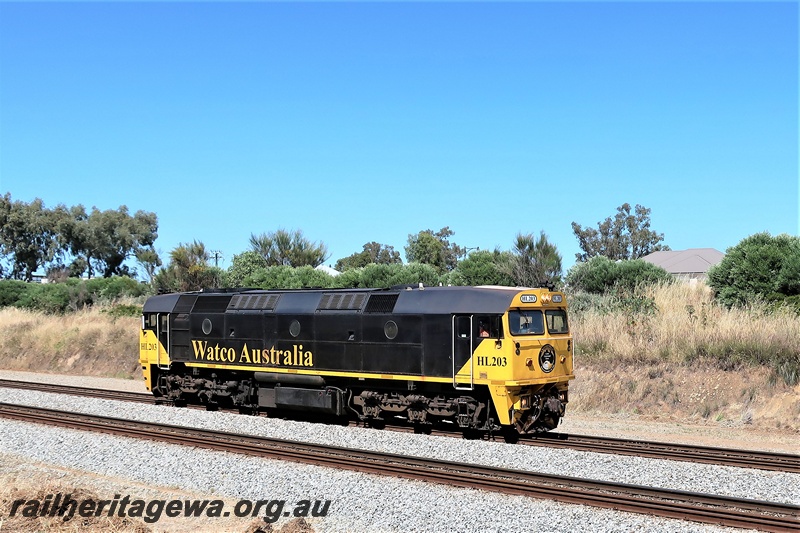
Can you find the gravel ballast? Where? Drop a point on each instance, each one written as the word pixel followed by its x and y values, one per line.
pixel 359 502
pixel 364 502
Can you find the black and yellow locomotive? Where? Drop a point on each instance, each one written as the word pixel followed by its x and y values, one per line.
pixel 483 359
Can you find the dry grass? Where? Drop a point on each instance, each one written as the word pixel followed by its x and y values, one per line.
pixel 86 342
pixel 684 325
pixel 675 354
pixel 38 489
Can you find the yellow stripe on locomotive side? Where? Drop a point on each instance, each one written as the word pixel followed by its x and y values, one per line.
pixel 395 377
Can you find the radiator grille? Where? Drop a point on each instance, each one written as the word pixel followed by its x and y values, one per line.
pixel 342 301
pixel 265 302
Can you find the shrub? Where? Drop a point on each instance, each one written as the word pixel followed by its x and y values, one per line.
pixel 54 298
pixel 11 291
pixel 286 277
pixel 480 268
pixel 243 266
pixel 388 275
pixel 600 275
pixel 71 295
pixel 760 267
pixel 123 310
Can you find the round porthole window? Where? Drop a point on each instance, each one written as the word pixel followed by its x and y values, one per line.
pixel 207 326
pixel 390 329
pixel 294 328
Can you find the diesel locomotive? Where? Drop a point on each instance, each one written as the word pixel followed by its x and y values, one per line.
pixel 483 359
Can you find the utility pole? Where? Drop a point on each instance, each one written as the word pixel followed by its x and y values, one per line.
pixel 468 250
pixel 217 255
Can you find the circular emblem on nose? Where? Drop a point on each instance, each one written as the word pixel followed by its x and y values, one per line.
pixel 547 358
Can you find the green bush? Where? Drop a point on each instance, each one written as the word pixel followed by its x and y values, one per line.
pixel 244 266
pixel 388 275
pixel 53 298
pixel 481 268
pixel 115 287
pixel 600 275
pixel 123 310
pixel 70 295
pixel 286 277
pixel 760 267
pixel 11 291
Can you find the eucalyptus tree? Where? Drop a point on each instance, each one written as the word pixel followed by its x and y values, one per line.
pixel 28 236
pixel 626 236
pixel 434 249
pixel 373 253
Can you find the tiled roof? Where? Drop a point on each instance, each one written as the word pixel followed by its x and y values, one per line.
pixel 686 261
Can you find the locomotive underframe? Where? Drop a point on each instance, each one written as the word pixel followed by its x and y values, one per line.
pixel 374 402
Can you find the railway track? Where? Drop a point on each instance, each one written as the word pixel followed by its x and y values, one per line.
pixel 782 462
pixel 705 508
pixel 755 459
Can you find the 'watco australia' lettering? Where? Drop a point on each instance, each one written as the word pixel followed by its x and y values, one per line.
pixel 268 356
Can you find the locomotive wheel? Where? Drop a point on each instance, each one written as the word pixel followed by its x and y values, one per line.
pixel 374 423
pixel 472 434
pixel 510 435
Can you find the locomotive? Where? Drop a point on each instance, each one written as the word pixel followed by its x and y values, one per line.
pixel 482 359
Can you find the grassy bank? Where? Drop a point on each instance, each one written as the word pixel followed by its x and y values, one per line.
pixel 91 342
pixel 682 325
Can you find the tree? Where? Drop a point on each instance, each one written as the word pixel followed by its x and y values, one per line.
pixel 75 239
pixel 533 262
pixel 483 268
pixel 149 260
pixel 114 235
pixel 27 236
pixel 760 266
pixel 289 248
pixel 626 236
pixel 244 266
pixel 373 252
pixel 104 240
pixel 188 270
pixel 434 249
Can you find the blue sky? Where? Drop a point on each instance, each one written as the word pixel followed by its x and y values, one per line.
pixel 359 122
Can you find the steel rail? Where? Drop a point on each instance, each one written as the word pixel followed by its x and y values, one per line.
pixel 735 512
pixel 764 460
pixel 753 459
pixel 105 394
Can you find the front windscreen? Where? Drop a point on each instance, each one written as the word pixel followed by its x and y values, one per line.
pixel 556 321
pixel 526 322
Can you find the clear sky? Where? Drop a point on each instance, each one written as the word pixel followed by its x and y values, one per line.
pixel 359 122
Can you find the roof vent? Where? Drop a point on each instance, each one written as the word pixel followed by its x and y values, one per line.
pixel 381 303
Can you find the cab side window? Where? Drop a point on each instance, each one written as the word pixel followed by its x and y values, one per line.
pixel 488 327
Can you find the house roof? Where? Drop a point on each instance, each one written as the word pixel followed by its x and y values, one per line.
pixel 685 261
pixel 328 270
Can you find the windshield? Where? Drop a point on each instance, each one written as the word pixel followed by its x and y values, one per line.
pixel 556 321
pixel 526 322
